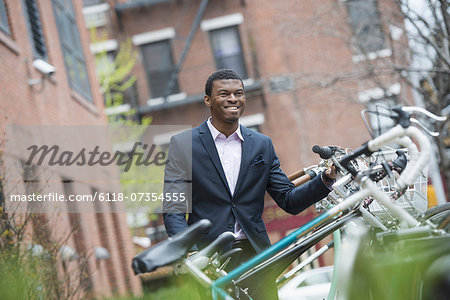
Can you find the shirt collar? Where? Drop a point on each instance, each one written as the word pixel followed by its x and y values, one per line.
pixel 215 132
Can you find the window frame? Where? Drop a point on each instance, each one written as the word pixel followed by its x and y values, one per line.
pixel 31 30
pixel 235 28
pixel 360 39
pixel 176 88
pixel 74 51
pixel 4 21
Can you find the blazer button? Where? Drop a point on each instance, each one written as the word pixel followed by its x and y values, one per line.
pixel 230 226
pixel 233 204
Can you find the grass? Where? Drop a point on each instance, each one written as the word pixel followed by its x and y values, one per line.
pixel 174 287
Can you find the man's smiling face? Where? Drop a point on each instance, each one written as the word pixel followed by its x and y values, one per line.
pixel 227 100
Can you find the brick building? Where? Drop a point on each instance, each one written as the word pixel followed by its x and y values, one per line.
pixel 35 37
pixel 308 68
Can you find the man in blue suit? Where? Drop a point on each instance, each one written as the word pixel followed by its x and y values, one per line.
pixel 227 169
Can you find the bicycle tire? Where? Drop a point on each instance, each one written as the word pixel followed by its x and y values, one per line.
pixel 436 210
pixel 439 215
pixel 436 279
pixel 445 223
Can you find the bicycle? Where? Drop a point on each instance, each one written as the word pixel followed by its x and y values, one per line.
pixel 367 187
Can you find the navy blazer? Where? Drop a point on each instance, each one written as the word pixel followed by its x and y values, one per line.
pixel 193 166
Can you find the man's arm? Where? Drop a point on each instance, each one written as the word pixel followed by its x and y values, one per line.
pixel 293 200
pixel 177 181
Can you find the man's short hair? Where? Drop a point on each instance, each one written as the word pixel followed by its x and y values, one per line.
pixel 220 75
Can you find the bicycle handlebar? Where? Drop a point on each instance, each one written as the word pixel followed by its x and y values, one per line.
pixel 310 174
pixel 402 115
pixel 296 175
pixel 324 152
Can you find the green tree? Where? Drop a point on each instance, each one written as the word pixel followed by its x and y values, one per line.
pixel 116 79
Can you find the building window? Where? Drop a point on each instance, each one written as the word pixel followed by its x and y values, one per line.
pixel 104 54
pixel 30 178
pixel 92 2
pixel 95 14
pixel 253 122
pixel 71 46
pixel 159 65
pixel 35 29
pixel 366 25
pixel 104 63
pixel 227 49
pixel 4 25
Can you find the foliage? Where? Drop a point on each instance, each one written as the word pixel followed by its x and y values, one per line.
pixel 116 79
pixel 390 42
pixel 31 260
pixel 175 287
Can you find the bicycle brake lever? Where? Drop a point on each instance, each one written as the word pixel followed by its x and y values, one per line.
pixel 387 169
pixel 418 124
pixel 415 109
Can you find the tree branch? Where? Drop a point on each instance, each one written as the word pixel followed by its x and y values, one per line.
pixel 427 39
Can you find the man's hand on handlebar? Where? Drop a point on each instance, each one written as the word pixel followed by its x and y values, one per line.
pixel 331 172
pixel 329 175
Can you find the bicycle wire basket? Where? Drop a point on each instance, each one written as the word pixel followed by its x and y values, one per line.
pixel 414 200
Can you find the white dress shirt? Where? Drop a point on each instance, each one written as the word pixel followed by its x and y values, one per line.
pixel 230 153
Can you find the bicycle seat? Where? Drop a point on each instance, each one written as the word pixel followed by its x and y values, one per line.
pixel 170 250
pixel 201 259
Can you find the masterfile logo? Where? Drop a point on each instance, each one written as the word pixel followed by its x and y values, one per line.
pixel 105 168
pixel 145 156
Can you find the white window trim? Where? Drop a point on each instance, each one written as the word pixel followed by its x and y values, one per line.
pixel 372 55
pixel 248 81
pixel 164 138
pixel 153 36
pixel 117 109
pixel 176 97
pixel 155 101
pixel 171 98
pixel 123 147
pixel 378 93
pixel 95 16
pixel 94 9
pixel 222 22
pixel 252 120
pixel 106 46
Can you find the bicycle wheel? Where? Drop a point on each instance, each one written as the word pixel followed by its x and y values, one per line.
pixel 439 215
pixel 436 280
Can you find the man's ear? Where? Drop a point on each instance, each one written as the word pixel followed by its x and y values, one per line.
pixel 207 100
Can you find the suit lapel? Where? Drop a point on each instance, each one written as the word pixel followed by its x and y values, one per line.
pixel 208 143
pixel 245 157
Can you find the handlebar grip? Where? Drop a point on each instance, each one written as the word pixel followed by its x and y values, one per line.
pixel 305 178
pixel 324 152
pixel 296 175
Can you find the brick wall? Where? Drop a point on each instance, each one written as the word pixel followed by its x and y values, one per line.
pixel 54 103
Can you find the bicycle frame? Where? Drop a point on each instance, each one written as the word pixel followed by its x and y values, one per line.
pixel 278 263
pixel 369 188
pixel 348 197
